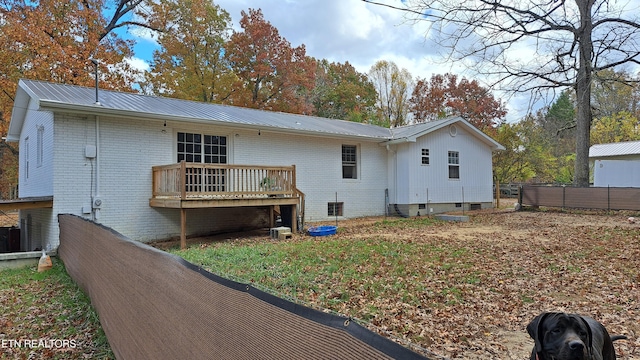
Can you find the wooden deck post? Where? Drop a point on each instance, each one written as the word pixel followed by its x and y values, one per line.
pixel 183 228
pixel 294 219
pixel 272 222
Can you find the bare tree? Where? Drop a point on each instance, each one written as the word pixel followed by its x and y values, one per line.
pixel 537 46
pixel 394 87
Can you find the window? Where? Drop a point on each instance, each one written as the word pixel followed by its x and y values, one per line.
pixel 26 158
pixel 199 148
pixel 454 165
pixel 335 209
pixel 40 146
pixel 208 149
pixel 349 162
pixel 425 156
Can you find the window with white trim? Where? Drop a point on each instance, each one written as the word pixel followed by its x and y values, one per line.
pixel 425 157
pixel 26 158
pixel 454 165
pixel 198 148
pixel 349 162
pixel 40 146
pixel 207 149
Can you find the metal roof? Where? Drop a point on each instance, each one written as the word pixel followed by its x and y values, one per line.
pixel 71 97
pixel 615 149
pixel 53 96
pixel 412 132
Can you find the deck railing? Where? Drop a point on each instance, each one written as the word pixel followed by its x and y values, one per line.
pixel 196 181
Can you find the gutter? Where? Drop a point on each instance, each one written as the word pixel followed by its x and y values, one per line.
pixel 403 140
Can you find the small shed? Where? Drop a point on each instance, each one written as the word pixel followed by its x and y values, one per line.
pixel 616 164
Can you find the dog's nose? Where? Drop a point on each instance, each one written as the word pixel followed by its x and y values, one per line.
pixel 576 345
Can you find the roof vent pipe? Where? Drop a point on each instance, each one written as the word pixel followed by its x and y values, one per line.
pixel 95 64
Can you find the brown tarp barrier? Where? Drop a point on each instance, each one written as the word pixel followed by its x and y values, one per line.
pixel 610 198
pixel 154 305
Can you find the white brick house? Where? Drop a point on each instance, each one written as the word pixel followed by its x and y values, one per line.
pixel 95 160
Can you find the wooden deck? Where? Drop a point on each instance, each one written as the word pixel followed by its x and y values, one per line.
pixel 194 186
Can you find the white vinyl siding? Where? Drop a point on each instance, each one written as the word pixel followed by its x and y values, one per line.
pixel 454 164
pixel 431 184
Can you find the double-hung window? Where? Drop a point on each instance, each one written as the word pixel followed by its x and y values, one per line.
pixel 454 165
pixel 425 157
pixel 26 158
pixel 40 146
pixel 349 162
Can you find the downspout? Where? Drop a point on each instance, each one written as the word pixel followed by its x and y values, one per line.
pixel 395 173
pixel 96 201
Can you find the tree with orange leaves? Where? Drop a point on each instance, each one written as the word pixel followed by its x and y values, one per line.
pixel 445 96
pixel 272 75
pixel 54 41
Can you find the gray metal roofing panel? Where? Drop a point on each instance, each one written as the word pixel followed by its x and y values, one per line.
pixel 615 149
pixel 408 131
pixel 161 106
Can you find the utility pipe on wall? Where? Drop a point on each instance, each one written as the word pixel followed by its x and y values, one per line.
pixel 96 194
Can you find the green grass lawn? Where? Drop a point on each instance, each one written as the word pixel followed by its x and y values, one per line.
pixel 334 272
pixel 46 316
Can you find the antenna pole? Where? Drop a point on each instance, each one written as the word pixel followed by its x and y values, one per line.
pixel 95 64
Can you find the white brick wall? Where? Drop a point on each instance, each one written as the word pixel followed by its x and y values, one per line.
pixel 128 148
pixel 319 170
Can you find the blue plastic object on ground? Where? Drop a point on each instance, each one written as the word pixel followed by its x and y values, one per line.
pixel 322 230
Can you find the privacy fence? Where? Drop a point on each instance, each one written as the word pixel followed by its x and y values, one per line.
pixel 154 305
pixel 607 198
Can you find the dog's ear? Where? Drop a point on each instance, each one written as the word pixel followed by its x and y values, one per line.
pixel 535 330
pixel 589 334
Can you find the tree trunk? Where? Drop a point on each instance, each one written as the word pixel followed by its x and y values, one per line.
pixel 583 94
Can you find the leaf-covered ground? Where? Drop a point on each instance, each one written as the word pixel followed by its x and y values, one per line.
pixel 46 316
pixel 457 290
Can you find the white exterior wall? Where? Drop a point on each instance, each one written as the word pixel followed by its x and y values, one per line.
pixel 127 148
pixel 319 170
pixel 120 175
pixel 414 180
pixel 38 179
pixel 616 173
pixel 37 225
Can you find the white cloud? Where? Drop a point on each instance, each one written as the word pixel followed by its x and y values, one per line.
pixel 341 31
pixel 137 63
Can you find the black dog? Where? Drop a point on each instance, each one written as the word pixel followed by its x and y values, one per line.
pixel 562 336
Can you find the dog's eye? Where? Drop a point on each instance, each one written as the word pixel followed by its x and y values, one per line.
pixel 556 330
